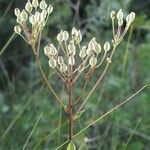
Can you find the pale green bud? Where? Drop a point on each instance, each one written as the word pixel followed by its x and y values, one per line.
pixel 108 60
pixel 65 35
pixel 19 19
pixel 17 29
pixel 43 15
pixel 97 48
pixel 93 61
pixel 28 7
pixel 32 20
pixel 49 9
pixel 60 37
pixel 35 3
pixel 52 62
pixel 76 34
pixel 120 14
pixel 130 17
pixel 71 61
pixel 43 5
pixel 72 48
pixel 24 15
pixel 63 67
pixel 60 60
pixel 16 11
pixel 106 46
pixel 112 15
pixel 120 22
pixel 38 18
pixel 53 50
pixel 46 50
pixel 92 44
pixel 82 53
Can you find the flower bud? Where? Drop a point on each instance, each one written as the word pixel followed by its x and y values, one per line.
pixel 93 61
pixel 130 17
pixel 97 48
pixel 16 11
pixel 92 44
pixel 60 60
pixel 76 35
pixel 43 5
pixel 46 50
pixel 112 15
pixel 28 7
pixel 60 37
pixel 24 15
pixel 72 48
pixel 65 35
pixel 108 60
pixel 53 50
pixel 52 62
pixel 32 20
pixel 71 61
pixel 17 29
pixel 63 67
pixel 43 15
pixel 35 3
pixel 120 14
pixel 120 22
pixel 49 9
pixel 19 19
pixel 106 46
pixel 82 53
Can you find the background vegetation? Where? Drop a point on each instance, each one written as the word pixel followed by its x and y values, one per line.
pixel 23 96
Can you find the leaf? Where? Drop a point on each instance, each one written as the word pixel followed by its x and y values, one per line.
pixel 71 146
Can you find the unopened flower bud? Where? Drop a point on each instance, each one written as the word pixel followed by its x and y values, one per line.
pixel 43 15
pixel 53 50
pixel 108 60
pixel 46 50
pixel 52 62
pixel 130 17
pixel 60 37
pixel 112 15
pixel 17 29
pixel 65 35
pixel 120 14
pixel 63 67
pixel 92 44
pixel 32 20
pixel 43 5
pixel 19 19
pixel 28 7
pixel 93 61
pixel 106 46
pixel 24 15
pixel 60 60
pixel 49 9
pixel 71 61
pixel 16 11
pixel 98 48
pixel 72 48
pixel 120 22
pixel 82 53
pixel 35 3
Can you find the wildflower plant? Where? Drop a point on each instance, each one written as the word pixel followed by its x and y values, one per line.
pixel 71 56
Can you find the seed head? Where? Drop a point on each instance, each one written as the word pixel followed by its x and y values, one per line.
pixel 106 46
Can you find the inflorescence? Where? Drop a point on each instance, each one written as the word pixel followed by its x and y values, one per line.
pixel 71 57
pixel 32 20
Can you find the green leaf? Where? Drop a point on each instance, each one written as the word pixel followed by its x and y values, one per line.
pixel 71 146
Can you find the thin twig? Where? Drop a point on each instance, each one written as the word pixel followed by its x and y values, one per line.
pixel 103 116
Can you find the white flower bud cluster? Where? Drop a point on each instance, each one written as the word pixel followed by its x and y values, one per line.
pixel 36 14
pixel 70 45
pixel 120 18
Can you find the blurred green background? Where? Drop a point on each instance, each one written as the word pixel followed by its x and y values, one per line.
pixel 23 96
